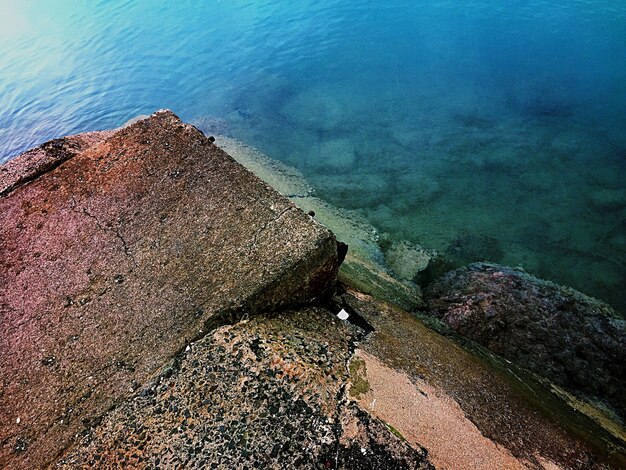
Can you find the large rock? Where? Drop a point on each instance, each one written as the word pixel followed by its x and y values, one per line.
pixel 468 408
pixel 116 250
pixel 289 390
pixel 557 332
pixel 267 393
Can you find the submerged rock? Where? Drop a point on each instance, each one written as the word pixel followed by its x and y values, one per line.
pixel 469 248
pixel 334 156
pixel 557 332
pixel 315 109
pixel 413 262
pixel 116 250
pixel 608 200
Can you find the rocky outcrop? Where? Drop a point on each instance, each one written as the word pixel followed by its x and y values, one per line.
pixel 364 266
pixel 265 393
pixel 468 408
pixel 119 248
pixel 166 309
pixel 302 389
pixel 557 332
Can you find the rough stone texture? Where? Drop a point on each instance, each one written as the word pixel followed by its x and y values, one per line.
pixel 265 393
pixel 116 250
pixel 449 390
pixel 364 266
pixel 508 406
pixel 279 392
pixel 140 246
pixel 45 158
pixel 576 341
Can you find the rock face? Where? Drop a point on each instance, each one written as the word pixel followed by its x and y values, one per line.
pixel 148 309
pixel 576 341
pixel 116 250
pixel 301 389
pixel 264 393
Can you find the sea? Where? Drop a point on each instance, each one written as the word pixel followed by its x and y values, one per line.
pixel 485 129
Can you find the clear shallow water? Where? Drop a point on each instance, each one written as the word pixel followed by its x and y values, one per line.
pixel 485 129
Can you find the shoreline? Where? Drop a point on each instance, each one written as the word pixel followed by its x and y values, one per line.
pixel 507 406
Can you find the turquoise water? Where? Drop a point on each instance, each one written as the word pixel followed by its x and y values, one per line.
pixel 485 129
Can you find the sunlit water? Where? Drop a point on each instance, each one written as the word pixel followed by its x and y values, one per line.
pixel 485 129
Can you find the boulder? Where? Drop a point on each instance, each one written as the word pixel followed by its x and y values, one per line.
pixel 315 110
pixel 265 393
pixel 334 156
pixel 574 340
pixel 469 248
pixel 116 250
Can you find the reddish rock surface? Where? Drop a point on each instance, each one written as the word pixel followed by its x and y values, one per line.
pixel 116 250
pixel 574 340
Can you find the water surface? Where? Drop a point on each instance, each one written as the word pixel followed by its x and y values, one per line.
pixel 485 129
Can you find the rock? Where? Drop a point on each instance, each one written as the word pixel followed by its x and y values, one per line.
pixel 536 422
pixel 300 388
pixel 276 400
pixel 211 125
pixel 251 382
pixel 352 190
pixel 119 248
pixel 408 136
pixel 536 180
pixel 420 187
pixel 556 332
pixel 283 178
pixel 465 408
pixel 45 158
pixel 413 262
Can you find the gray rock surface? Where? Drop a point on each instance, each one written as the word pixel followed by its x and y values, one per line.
pixel 557 332
pixel 116 250
pixel 265 393
pixel 301 389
